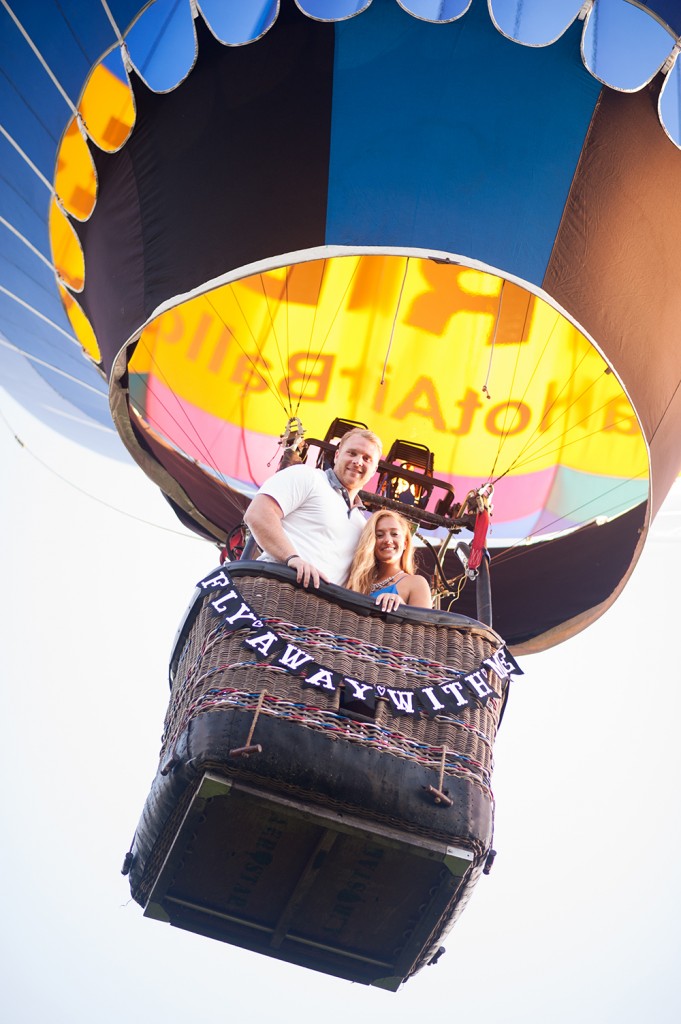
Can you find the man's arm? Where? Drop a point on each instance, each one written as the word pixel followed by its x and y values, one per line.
pixel 263 518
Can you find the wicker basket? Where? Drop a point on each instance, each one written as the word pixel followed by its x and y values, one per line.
pixel 214 671
pixel 413 788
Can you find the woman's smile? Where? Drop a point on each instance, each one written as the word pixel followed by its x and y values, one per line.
pixel 389 540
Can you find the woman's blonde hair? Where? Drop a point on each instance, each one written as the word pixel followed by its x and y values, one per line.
pixel 363 569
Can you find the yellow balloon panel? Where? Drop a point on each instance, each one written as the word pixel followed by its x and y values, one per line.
pixel 107 108
pixel 81 325
pixel 492 379
pixel 67 253
pixel 74 180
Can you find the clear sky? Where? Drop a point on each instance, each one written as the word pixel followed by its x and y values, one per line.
pixel 580 919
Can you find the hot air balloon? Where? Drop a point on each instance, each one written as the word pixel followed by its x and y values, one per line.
pixel 278 220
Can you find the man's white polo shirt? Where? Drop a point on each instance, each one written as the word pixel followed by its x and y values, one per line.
pixel 318 521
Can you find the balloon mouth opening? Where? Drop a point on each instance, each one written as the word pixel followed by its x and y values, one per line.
pixel 487 374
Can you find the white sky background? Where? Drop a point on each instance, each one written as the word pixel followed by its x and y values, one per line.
pixel 580 919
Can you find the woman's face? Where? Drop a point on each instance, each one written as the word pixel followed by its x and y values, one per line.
pixel 390 539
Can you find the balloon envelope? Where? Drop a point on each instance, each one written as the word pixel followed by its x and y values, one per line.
pixel 402 217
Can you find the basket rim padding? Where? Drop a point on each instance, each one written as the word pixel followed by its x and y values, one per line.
pixel 362 604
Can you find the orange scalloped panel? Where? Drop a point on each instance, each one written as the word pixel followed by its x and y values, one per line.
pixel 107 108
pixel 81 325
pixel 74 180
pixel 67 254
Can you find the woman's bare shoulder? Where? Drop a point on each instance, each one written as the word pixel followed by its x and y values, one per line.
pixel 418 591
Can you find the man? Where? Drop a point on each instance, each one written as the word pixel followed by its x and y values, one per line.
pixel 311 519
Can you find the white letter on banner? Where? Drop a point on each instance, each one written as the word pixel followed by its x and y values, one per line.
pixel 511 664
pixel 477 681
pixel 293 657
pixel 220 603
pixel 428 690
pixel 455 690
pixel 358 689
pixel 262 642
pixel 322 678
pixel 244 613
pixel 497 662
pixel 219 579
pixel 402 701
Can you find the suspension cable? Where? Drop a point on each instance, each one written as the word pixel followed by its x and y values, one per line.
pixel 392 329
pixel 41 60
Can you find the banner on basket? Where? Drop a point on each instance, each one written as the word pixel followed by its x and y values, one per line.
pixel 461 690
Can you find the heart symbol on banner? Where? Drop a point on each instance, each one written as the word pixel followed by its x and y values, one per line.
pixel 380 690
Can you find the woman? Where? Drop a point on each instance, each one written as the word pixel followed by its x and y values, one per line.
pixel 383 565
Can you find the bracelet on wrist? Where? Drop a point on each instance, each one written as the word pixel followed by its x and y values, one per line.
pixel 290 557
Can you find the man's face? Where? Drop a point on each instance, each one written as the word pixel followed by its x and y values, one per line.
pixel 355 462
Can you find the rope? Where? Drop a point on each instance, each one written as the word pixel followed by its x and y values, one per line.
pixel 29 245
pixel 256 716
pixel 27 160
pixel 442 769
pixel 485 389
pixel 392 329
pixel 284 369
pixel 125 53
pixel 88 494
pixel 42 61
pixel 270 385
pixel 307 378
pixel 46 320
pixel 333 722
pixel 191 433
pixel 505 427
pixel 112 22
pixel 372 654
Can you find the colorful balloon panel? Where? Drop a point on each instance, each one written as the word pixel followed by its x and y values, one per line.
pixel 389 212
pixel 492 379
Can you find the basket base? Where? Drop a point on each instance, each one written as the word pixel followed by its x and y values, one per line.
pixel 325 890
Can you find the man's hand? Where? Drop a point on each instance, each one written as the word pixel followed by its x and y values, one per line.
pixel 306 572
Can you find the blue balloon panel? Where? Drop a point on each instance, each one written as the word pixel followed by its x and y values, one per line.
pixel 393 70
pixel 623 46
pixel 240 21
pixel 162 44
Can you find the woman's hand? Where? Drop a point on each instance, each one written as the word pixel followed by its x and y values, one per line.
pixel 389 602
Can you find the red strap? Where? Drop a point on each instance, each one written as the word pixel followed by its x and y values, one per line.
pixel 479 539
